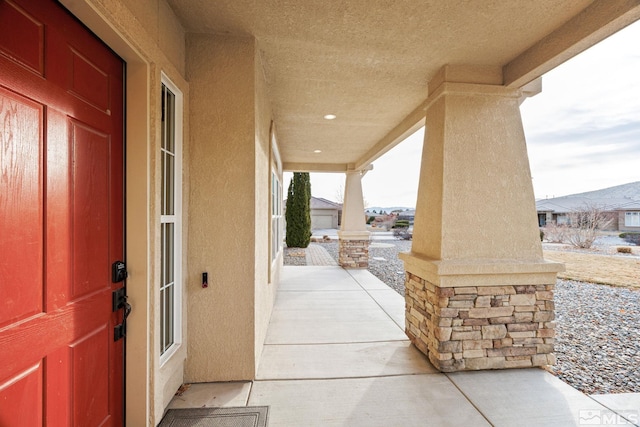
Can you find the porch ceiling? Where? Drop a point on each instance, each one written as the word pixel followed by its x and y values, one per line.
pixel 369 61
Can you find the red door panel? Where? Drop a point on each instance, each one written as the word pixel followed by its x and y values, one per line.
pixel 20 398
pixel 90 358
pixel 28 49
pixel 61 220
pixel 90 225
pixel 88 81
pixel 21 227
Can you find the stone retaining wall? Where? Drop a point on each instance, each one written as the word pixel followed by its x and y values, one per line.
pixel 481 327
pixel 353 253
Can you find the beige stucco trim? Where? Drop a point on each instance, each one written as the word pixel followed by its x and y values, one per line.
pixel 316 167
pixel 594 24
pixel 409 125
pixel 481 272
pixel 354 235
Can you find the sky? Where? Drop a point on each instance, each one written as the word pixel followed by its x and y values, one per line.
pixel 582 131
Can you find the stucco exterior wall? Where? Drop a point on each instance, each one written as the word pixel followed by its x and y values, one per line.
pixel 160 23
pixel 264 288
pixel 150 39
pixel 223 180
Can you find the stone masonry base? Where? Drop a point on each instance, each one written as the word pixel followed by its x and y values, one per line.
pixel 482 327
pixel 353 253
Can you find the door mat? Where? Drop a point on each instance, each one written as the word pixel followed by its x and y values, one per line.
pixel 246 416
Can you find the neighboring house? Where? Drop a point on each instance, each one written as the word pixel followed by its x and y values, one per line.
pixel 629 217
pixel 209 102
pixel 408 215
pixel 325 213
pixel 620 203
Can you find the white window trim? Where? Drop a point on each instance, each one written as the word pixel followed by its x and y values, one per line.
pixel 276 170
pixel 177 217
pixel 632 219
pixel 276 217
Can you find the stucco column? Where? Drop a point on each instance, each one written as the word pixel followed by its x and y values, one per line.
pixel 353 234
pixel 479 294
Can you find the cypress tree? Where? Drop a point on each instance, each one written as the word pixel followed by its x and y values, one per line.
pixel 298 213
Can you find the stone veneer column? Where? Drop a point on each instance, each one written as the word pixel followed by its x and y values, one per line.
pixel 353 234
pixel 479 294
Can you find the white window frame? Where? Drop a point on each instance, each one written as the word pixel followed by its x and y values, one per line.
pixel 632 219
pixel 276 215
pixel 176 219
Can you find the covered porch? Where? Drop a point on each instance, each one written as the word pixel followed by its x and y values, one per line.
pixel 268 87
pixel 336 354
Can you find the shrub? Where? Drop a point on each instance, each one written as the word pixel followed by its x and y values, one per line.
pixel 371 219
pixel 633 238
pixel 584 225
pixel 541 235
pixel 555 233
pixel 298 213
pixel 624 250
pixel 403 223
pixel 402 233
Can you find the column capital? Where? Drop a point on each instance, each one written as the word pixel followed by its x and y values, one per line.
pixel 353 235
pixel 481 272
pixel 469 74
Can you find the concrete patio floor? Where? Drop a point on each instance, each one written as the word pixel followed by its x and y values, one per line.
pixel 336 355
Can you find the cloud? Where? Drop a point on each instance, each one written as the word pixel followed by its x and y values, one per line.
pixel 583 130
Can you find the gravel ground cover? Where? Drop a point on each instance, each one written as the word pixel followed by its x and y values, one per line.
pixel 597 339
pixel 295 256
pixel 597 335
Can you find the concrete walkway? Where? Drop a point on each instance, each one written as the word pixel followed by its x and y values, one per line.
pixel 336 355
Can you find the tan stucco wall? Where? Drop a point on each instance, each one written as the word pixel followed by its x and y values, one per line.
pixel 264 287
pixel 159 22
pixel 222 233
pixel 151 41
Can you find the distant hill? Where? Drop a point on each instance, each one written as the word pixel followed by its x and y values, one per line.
pixel 624 191
pixel 387 210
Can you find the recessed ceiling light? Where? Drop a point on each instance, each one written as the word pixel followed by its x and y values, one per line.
pixel 317 151
pixel 330 116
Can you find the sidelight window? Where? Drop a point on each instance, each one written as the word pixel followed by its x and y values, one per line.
pixel 170 220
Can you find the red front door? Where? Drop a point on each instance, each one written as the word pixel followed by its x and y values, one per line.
pixel 61 220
